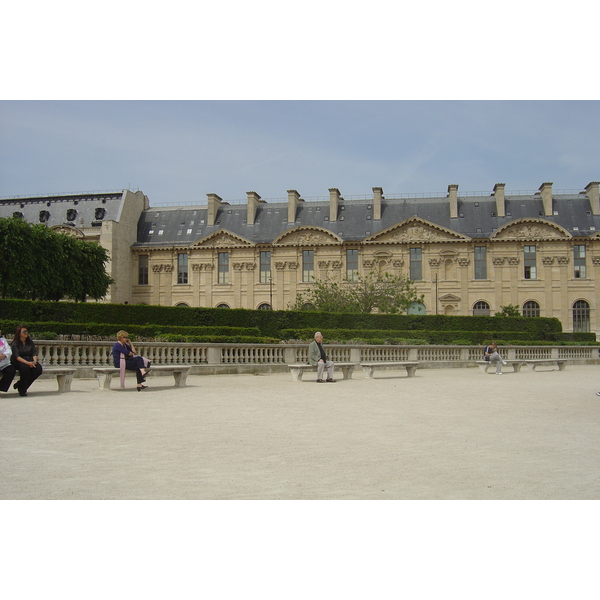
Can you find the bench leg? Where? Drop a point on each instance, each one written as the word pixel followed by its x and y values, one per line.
pixel 347 372
pixel 180 378
pixel 561 366
pixel 411 370
pixel 296 374
pixel 368 371
pixel 484 368
pixel 64 382
pixel 104 380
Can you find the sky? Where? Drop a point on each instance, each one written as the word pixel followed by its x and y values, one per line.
pixel 179 151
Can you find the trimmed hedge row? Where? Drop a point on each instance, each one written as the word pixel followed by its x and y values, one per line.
pixel 269 323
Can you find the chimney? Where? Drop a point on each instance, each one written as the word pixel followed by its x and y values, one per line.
pixel 253 202
pixel 334 201
pixel 214 202
pixel 377 198
pixel 500 205
pixel 453 195
pixel 546 193
pixel 293 201
pixel 591 190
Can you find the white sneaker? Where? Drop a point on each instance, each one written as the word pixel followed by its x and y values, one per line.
pixel 504 362
pixel 500 373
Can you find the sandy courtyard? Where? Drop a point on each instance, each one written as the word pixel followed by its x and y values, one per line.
pixel 444 434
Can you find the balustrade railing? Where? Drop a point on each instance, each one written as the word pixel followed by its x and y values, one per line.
pixel 98 354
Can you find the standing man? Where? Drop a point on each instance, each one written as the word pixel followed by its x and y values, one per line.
pixel 318 358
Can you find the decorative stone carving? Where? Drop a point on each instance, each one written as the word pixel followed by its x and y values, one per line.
pixel 415 233
pixel 435 262
pixel 368 264
pixel 498 261
pixel 281 265
pixel 168 268
pixel 326 264
pixel 562 260
pixel 464 262
pixel 70 231
pixel 596 260
pixel 307 238
pixel 157 268
pixel 398 263
pixel 529 231
pixel 240 266
pixel 547 260
pixel 513 260
pixel 222 240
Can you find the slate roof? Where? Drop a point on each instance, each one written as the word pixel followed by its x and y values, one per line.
pixel 477 219
pixel 88 209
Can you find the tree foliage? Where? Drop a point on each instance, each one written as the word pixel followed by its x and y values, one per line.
pixel 40 264
pixel 510 310
pixel 385 293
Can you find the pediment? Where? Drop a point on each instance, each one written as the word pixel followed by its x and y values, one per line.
pixel 307 236
pixel 414 230
pixel 222 239
pixel 531 229
pixel 449 298
pixel 68 230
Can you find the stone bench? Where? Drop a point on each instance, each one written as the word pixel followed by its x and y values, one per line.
pixel 516 365
pixel 297 369
pixel 180 373
pixel 64 376
pixel 547 362
pixel 369 367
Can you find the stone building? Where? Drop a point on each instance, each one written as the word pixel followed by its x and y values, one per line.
pixel 467 253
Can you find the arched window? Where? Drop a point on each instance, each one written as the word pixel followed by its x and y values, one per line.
pixel 223 305
pixel 416 308
pixel 581 316
pixel 182 304
pixel 481 309
pixel 265 306
pixel 449 269
pixel 531 309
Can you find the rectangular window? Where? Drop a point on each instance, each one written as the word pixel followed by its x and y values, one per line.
pixel 182 268
pixel 308 265
pixel 416 273
pixel 352 265
pixel 579 261
pixel 480 262
pixel 265 267
pixel 143 269
pixel 529 262
pixel 223 267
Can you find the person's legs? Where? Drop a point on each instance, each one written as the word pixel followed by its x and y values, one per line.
pixel 320 369
pixel 27 376
pixel 495 358
pixel 8 374
pixel 329 364
pixel 134 364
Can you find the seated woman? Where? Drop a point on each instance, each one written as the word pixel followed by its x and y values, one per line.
pixel 133 361
pixel 24 359
pixel 7 371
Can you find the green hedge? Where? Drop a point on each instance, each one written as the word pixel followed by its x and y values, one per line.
pixel 269 323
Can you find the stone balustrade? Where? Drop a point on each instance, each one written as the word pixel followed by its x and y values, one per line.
pixel 247 358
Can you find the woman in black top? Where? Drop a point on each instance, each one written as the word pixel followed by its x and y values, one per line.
pixel 24 359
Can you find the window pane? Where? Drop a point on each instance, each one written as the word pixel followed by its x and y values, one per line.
pixel 579 261
pixel 308 265
pixel 352 264
pixel 182 268
pixel 480 262
pixel 415 264
pixel 265 267
pixel 143 270
pixel 223 267
pixel 530 271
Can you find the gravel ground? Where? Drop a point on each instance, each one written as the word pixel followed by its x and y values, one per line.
pixel 444 434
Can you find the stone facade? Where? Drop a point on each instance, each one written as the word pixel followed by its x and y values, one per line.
pixel 468 254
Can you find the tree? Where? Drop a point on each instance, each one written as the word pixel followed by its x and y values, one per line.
pixel 386 293
pixel 510 310
pixel 41 264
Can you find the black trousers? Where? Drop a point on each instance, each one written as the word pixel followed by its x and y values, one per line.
pixel 8 374
pixel 28 376
pixel 135 363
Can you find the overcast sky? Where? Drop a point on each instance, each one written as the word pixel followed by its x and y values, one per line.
pixel 178 151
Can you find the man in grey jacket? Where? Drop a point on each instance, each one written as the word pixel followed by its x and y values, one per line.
pixel 317 357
